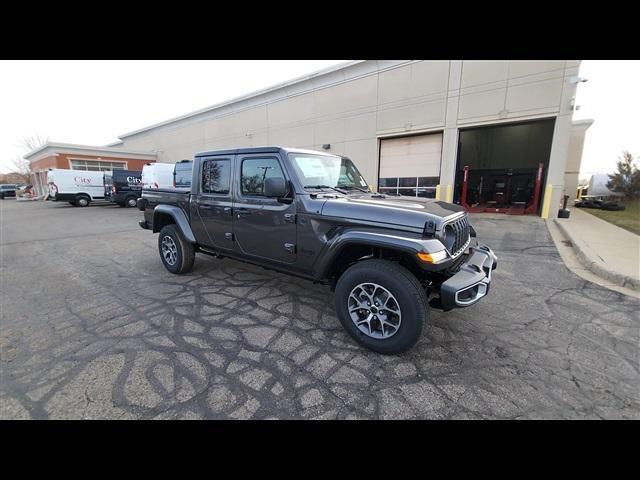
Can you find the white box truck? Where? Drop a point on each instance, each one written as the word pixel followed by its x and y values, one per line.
pixel 78 187
pixel 156 176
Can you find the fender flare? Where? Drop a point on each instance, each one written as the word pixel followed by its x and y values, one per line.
pixel 392 240
pixel 178 217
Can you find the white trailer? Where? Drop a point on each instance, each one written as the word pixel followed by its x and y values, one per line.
pixel 596 186
pixel 78 187
pixel 157 176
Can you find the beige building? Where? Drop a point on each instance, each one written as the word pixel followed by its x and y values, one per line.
pixel 410 126
pixel 574 159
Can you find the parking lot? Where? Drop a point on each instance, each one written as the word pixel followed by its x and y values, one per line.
pixel 93 326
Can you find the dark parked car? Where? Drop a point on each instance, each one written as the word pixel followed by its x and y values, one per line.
pixel 310 214
pixel 586 202
pixel 612 206
pixel 123 187
pixel 8 190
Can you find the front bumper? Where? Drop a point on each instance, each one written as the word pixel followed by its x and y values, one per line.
pixel 472 281
pixel 141 203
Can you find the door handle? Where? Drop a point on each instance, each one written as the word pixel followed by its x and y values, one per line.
pixel 242 212
pixel 227 211
pixel 205 207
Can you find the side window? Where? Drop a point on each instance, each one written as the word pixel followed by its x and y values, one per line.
pixel 216 176
pixel 182 174
pixel 254 173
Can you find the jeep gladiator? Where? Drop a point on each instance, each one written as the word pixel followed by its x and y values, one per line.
pixel 311 214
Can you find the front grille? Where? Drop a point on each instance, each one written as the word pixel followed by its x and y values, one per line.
pixel 456 235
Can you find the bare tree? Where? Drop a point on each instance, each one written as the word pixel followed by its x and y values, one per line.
pixel 33 142
pixel 20 165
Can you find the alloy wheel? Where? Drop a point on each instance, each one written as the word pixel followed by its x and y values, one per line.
pixel 374 310
pixel 169 250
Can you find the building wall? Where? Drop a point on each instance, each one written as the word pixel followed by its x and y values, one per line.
pixel 62 160
pixel 354 107
pixel 574 157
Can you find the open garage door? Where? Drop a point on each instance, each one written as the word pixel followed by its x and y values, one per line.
pixel 506 166
pixel 410 165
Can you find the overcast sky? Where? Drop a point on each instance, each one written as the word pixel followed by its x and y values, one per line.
pixel 92 102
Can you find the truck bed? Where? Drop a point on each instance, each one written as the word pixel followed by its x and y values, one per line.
pixel 179 198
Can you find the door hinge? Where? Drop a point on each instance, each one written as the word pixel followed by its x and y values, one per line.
pixel 290 217
pixel 290 247
pixel 229 236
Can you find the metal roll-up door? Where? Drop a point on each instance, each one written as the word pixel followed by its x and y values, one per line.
pixel 410 165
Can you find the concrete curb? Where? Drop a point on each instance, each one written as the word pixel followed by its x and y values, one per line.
pixel 594 265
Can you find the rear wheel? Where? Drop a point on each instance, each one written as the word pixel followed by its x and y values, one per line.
pixel 381 305
pixel 82 200
pixel 176 253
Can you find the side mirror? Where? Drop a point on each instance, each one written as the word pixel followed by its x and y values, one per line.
pixel 275 187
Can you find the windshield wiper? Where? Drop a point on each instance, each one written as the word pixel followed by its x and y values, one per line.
pixel 354 187
pixel 325 186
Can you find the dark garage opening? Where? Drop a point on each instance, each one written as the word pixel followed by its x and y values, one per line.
pixel 503 165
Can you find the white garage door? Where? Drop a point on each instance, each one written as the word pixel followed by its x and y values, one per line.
pixel 410 165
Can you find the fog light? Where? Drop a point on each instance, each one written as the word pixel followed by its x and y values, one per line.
pixel 433 257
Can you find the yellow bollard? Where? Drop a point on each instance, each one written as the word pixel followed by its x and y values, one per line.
pixel 546 204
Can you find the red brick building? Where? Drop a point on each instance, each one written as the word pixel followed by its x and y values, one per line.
pixel 82 157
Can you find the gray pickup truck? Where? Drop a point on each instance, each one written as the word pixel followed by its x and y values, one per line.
pixel 312 214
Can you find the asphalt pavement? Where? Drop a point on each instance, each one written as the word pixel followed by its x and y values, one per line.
pixel 93 326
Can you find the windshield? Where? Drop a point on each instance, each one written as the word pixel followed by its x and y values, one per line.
pixel 327 171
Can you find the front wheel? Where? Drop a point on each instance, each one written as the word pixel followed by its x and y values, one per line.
pixel 176 253
pixel 130 202
pixel 382 305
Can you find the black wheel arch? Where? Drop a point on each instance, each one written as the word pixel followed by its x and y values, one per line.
pixel 169 214
pixel 354 251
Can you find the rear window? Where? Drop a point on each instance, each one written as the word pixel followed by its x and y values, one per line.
pixel 182 174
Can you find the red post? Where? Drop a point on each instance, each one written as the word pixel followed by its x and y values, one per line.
pixel 533 208
pixel 465 184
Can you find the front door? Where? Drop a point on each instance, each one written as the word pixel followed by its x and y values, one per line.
pixel 263 227
pixel 214 203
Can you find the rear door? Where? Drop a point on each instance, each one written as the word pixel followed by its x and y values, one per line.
pixel 263 227
pixel 213 203
pixel 108 184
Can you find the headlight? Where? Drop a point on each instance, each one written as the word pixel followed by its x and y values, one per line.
pixel 433 257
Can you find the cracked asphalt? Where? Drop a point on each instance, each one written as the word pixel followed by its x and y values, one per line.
pixel 93 326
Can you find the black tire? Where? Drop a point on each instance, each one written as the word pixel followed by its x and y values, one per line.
pixel 185 253
pixel 82 201
pixel 403 285
pixel 72 202
pixel 130 202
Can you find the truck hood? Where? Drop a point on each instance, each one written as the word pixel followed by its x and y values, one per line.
pixel 410 212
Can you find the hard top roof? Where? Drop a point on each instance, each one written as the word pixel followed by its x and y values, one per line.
pixel 266 149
